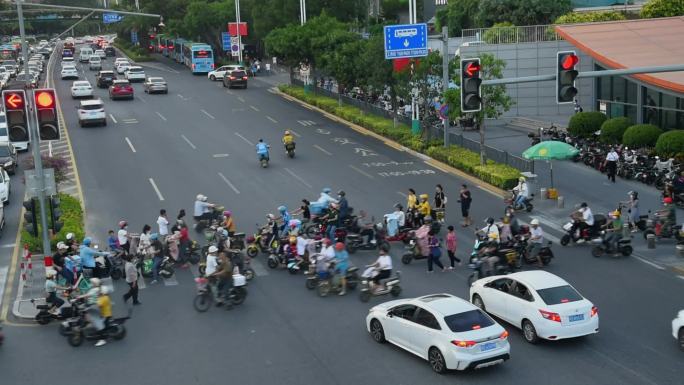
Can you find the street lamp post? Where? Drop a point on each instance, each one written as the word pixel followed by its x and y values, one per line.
pixel 302 11
pixel 237 28
pixel 415 117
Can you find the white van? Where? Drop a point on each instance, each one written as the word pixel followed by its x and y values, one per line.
pixel 84 54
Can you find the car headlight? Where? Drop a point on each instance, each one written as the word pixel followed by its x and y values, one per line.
pixel 8 164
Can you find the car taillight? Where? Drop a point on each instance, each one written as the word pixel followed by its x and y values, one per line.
pixel 463 344
pixel 594 311
pixel 231 77
pixel 550 315
pixel 504 335
pixel 244 78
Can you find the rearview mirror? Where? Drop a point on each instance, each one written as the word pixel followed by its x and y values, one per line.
pixel 389 314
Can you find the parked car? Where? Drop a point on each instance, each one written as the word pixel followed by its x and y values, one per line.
pixel 91 111
pixel 23 78
pixel 235 79
pixel 447 331
pixel 104 79
pixel 121 89
pixel 95 63
pixel 220 72
pixel 155 84
pixel 4 135
pixel 8 157
pixel 69 72
pixel 5 187
pixel 678 329
pixel 135 74
pixel 81 89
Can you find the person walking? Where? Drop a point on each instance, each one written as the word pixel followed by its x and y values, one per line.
pixel 435 252
pixel 440 203
pixel 131 279
pixel 163 223
pixel 465 200
pixel 633 210
pixel 611 164
pixel 451 247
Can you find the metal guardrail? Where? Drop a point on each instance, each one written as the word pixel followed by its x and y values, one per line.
pixel 510 35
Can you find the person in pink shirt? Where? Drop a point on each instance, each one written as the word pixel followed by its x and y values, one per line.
pixel 451 247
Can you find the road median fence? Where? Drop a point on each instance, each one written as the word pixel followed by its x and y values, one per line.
pixel 499 175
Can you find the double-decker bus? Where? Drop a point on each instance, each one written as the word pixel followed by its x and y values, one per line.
pixel 199 57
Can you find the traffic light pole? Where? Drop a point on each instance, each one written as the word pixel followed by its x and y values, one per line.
pixel 445 78
pixel 33 130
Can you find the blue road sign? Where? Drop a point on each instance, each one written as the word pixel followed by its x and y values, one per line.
pixel 134 37
pixel 225 39
pixel 109 18
pixel 406 40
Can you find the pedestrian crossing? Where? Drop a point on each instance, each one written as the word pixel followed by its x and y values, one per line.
pixel 306 123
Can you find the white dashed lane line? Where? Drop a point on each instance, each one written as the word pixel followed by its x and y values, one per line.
pixel 112 118
pixel 188 142
pixel 130 144
pixel 156 189
pixel 321 149
pixel 208 114
pixel 161 116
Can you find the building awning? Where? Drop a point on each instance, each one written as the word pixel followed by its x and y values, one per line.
pixel 634 43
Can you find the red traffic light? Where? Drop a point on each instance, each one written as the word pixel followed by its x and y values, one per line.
pixel 569 61
pixel 45 98
pixel 471 69
pixel 14 100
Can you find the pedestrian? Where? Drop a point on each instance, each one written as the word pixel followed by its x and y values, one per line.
pixel 435 252
pixel 411 207
pixel 440 203
pixel 144 242
pixel 611 164
pixel 465 199
pixel 451 247
pixel 122 236
pixel 157 250
pixel 633 210
pixel 578 108
pixel 181 215
pixel 131 272
pixel 268 69
pixel 163 223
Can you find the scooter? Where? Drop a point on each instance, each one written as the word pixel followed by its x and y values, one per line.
pixel 81 330
pixel 331 282
pixel 290 149
pixel 263 159
pixel 193 252
pixel 511 202
pixel 205 297
pixel 508 259
pixel 660 230
pixel 166 269
pixel 624 247
pixel 260 242
pixel 391 286
pixel 412 253
pixel 216 213
pixel 356 241
pixel 44 316
pixel 584 235
pixel 544 252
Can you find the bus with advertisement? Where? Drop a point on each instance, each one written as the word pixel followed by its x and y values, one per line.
pixel 177 54
pixel 199 57
pixel 8 52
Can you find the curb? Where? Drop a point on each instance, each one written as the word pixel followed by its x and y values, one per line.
pixel 432 162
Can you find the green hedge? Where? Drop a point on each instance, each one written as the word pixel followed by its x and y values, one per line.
pixel 612 130
pixel 670 143
pixel 641 135
pixel 135 53
pixel 499 175
pixel 584 124
pixel 72 217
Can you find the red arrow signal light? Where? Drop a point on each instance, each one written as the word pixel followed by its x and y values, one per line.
pixel 471 69
pixel 569 61
pixel 14 101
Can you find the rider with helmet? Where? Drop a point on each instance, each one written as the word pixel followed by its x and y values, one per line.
pixel 521 192
pixel 88 255
pixel 668 214
pixel 284 216
pixel 288 141
pixel 202 208
pixel 424 209
pixel 536 241
pixel 122 236
pixel 229 222
pixel 491 230
pixel 262 150
pixel 343 206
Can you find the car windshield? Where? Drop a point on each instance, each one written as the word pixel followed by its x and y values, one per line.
pixel 470 320
pixel 81 84
pixel 92 107
pixel 238 74
pixel 4 151
pixel 134 69
pixel 121 83
pixel 3 131
pixel 559 294
pixel 106 74
pixel 156 80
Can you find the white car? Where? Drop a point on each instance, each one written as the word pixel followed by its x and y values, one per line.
pixel 95 63
pixel 220 72
pixel 4 186
pixel 69 72
pixel 118 60
pixel 4 135
pixel 92 111
pixel 447 331
pixel 101 53
pixel 678 329
pixel 81 89
pixel 122 66
pixel 543 305
pixel 135 74
pixel 68 61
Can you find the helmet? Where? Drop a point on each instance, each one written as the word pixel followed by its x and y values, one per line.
pixel 282 209
pixel 535 221
pixel 154 236
pixel 199 197
pixel 49 273
pixel 270 217
pixel 227 213
pixel 327 241
pixel 327 190
pixel 213 249
pixel 522 179
pixel 87 241
pixel 489 221
pixel 104 290
pixel 423 196
pixel 123 224
pixel 584 205
pixel 95 282
pixel 341 193
pixel 61 246
pixel 204 198
pixel 261 140
pixel 339 246
pixel 398 206
pixel 293 239
pixel 667 200
pixel 287 132
pixel 70 236
pixel 615 213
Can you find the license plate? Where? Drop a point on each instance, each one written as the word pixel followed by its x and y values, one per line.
pixel 488 346
pixel 576 317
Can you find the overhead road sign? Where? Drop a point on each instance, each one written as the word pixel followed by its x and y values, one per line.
pixel 110 17
pixel 406 40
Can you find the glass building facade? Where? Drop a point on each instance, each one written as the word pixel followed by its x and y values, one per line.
pixel 623 96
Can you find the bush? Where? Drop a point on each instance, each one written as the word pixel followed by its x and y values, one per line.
pixel 641 135
pixel 589 17
pixel 584 124
pixel 135 53
pixel 670 143
pixel 72 217
pixel 613 129
pixel 57 163
pixel 500 175
pixel 662 8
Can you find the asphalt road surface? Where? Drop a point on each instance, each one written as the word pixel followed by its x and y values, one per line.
pixel 159 151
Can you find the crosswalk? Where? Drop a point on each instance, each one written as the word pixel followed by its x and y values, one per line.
pixel 306 123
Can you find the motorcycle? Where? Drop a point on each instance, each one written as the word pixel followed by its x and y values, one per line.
pixel 511 202
pixel 116 270
pixel 205 297
pixel 166 269
pixel 193 252
pixel 658 228
pixel 215 216
pixel 263 159
pixel 330 282
pixel 391 286
pixel 413 252
pixel 290 149
pixel 584 235
pixel 508 259
pixel 544 252
pixel 356 241
pixel 624 247
pixel 260 242
pixel 80 329
pixel 44 316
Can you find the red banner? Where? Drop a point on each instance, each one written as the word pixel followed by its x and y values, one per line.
pixel 233 29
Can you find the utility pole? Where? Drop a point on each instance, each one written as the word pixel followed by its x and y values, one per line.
pixel 445 79
pixel 33 131
pixel 415 113
pixel 302 11
pixel 237 21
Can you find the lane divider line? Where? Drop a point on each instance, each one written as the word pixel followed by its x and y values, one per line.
pixel 141 99
pixel 188 142
pixel 160 115
pixel 271 119
pixel 254 108
pixel 361 171
pixel 156 189
pixel 130 144
pixel 220 155
pixel 321 149
pixel 208 114
pixel 228 183
pixel 295 133
pixel 648 262
pixel 240 98
pixel 298 177
pixel 245 139
pixel 113 119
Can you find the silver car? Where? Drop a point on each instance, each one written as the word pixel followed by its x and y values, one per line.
pixel 155 84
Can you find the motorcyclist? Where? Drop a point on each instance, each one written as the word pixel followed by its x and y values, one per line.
pixel 422 237
pixel 71 242
pixel 262 150
pixel 224 275
pixel 122 236
pixel 229 222
pixel 343 206
pixel 521 192
pixel 211 270
pixel 668 214
pixel 88 255
pixel 323 202
pixel 424 208
pixel 104 305
pixel 490 231
pixel 395 220
pixel 586 221
pixel 367 228
pixel 59 262
pixel 613 230
pixel 294 226
pixel 332 218
pixel 341 265
pixel 288 140
pixel 203 210
pixel 536 241
pixel 284 216
pixel 381 269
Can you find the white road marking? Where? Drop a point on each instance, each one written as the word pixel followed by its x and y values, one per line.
pixel 271 90
pixel 161 116
pixel 188 142
pixel 306 122
pixel 141 99
pixel 229 92
pixel 271 119
pixel 680 277
pixel 361 171
pixel 130 144
pixel 254 108
pixel 240 98
pixel 295 133
pixel 298 177
pixel 228 183
pixel 648 262
pixel 156 189
pixel 437 167
pixel 220 155
pixel 3 279
pixel 243 138
pixel 112 117
pixel 322 149
pixel 8 245
pixel 208 114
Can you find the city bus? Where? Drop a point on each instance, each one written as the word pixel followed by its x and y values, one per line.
pixel 177 54
pixel 8 52
pixel 199 57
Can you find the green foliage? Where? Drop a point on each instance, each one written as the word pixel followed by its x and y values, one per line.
pixel 206 20
pixel 135 53
pixel 613 129
pixel 496 100
pixel 72 217
pixel 502 176
pixel 457 15
pixel 662 8
pixel 520 12
pixel 641 135
pixel 589 17
pixel 584 124
pixel 505 29
pixel 670 143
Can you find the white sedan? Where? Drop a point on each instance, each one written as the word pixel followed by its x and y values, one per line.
pixel 122 66
pixel 221 72
pixel 69 72
pixel 678 329
pixel 447 331
pixel 135 74
pixel 81 89
pixel 543 305
pixel 4 186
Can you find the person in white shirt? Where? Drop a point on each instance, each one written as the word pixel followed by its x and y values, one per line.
pixel 401 216
pixel 536 241
pixel 587 218
pixel 211 269
pixel 163 223
pixel 611 164
pixel 202 208
pixel 382 267
pixel 122 236
pixel 491 231
pixel 522 192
